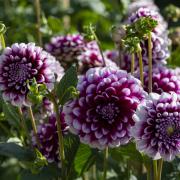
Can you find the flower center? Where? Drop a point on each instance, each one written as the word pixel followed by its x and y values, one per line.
pixel 18 72
pixel 169 127
pixel 108 111
pixel 170 130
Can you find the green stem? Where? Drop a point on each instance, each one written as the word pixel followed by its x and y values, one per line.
pixel 155 169
pixel 105 163
pixel 100 49
pixel 23 123
pixel 60 136
pixel 160 165
pixel 2 41
pixel 132 63
pixel 141 67
pixel 34 127
pixel 38 17
pixel 148 173
pixel 150 63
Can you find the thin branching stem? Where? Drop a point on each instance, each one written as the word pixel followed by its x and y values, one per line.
pixel 149 63
pixel 23 123
pixel 34 126
pixel 141 67
pixel 132 63
pixel 60 136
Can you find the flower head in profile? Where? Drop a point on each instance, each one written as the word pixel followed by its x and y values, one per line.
pixel 102 114
pixel 20 64
pixel 157 127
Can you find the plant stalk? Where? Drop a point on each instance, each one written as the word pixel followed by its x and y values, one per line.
pixel 141 67
pixel 60 136
pixel 160 165
pixel 132 63
pixel 23 123
pixel 155 169
pixel 105 163
pixel 34 127
pixel 2 41
pixel 38 17
pixel 150 63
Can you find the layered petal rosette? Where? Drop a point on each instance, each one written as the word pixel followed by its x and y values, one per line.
pixel 21 63
pixel 157 127
pixel 102 114
pixel 92 57
pixel 66 48
pixel 48 137
pixel 164 79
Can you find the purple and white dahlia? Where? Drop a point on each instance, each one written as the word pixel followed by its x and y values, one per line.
pixel 48 137
pixel 157 127
pixel 164 79
pixel 66 48
pixel 91 57
pixel 21 63
pixel 135 5
pixel 102 114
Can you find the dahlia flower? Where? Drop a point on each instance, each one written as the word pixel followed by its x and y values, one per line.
pixel 164 79
pixel 91 57
pixel 102 114
pixel 48 137
pixel 135 5
pixel 157 127
pixel 21 63
pixel 66 48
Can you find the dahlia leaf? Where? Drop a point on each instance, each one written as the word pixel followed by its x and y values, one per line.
pixel 54 24
pixel 11 114
pixel 68 80
pixel 48 172
pixel 127 150
pixel 16 151
pixel 83 156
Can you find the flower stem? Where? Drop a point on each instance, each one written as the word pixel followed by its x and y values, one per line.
pixel 2 41
pixel 160 165
pixel 132 63
pixel 34 127
pixel 23 123
pixel 155 169
pixel 150 63
pixel 105 163
pixel 141 67
pixel 60 136
pixel 38 17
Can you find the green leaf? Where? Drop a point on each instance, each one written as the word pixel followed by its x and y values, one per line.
pixel 128 150
pixel 84 158
pixel 49 172
pixel 69 80
pixel 11 114
pixel 16 151
pixel 54 24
